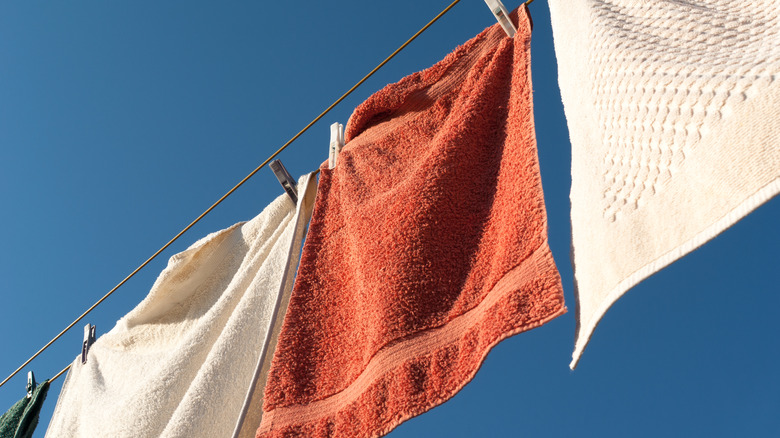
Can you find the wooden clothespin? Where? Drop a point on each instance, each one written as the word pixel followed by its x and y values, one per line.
pixel 502 15
pixel 285 179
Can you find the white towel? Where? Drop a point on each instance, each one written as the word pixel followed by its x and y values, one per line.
pixel 181 363
pixel 673 109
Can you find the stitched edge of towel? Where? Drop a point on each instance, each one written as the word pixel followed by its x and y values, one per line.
pixel 460 346
pixel 585 330
pixel 307 186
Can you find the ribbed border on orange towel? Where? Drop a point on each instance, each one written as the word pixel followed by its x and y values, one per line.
pixel 424 367
pixel 466 339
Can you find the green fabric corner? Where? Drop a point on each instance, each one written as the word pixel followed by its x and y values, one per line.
pixel 20 421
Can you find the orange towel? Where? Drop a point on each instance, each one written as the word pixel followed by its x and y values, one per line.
pixel 427 247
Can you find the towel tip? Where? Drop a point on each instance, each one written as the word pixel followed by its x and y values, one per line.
pixel 575 359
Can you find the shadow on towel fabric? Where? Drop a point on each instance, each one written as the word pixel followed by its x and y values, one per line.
pixel 427 247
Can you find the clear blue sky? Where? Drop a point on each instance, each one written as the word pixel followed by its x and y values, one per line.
pixel 121 121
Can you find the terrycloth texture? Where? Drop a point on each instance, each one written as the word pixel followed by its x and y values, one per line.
pixel 181 363
pixel 674 116
pixel 20 421
pixel 427 247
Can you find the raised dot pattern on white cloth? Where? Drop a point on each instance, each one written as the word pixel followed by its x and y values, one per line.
pixel 662 81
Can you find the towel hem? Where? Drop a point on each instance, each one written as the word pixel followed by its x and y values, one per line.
pixel 460 345
pixel 585 331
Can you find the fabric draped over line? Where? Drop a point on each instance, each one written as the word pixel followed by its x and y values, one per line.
pixel 673 110
pixel 427 247
pixel 428 241
pixel 21 419
pixel 181 362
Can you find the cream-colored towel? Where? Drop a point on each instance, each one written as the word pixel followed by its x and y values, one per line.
pixel 673 109
pixel 182 362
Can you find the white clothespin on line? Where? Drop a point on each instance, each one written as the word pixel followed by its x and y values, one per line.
pixel 336 143
pixel 89 339
pixel 285 179
pixel 502 15
pixel 30 384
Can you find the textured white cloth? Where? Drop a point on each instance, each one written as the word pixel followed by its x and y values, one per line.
pixel 673 109
pixel 181 363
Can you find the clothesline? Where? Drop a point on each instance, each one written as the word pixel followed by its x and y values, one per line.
pixel 383 240
pixel 230 192
pixel 510 60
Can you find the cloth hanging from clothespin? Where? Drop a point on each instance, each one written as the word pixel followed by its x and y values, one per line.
pixel 20 421
pixel 182 362
pixel 428 246
pixel 673 111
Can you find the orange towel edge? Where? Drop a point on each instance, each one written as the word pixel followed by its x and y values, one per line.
pixel 382 369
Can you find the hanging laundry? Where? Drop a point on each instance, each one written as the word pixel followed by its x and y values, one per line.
pixel 674 116
pixel 427 247
pixel 20 421
pixel 184 360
